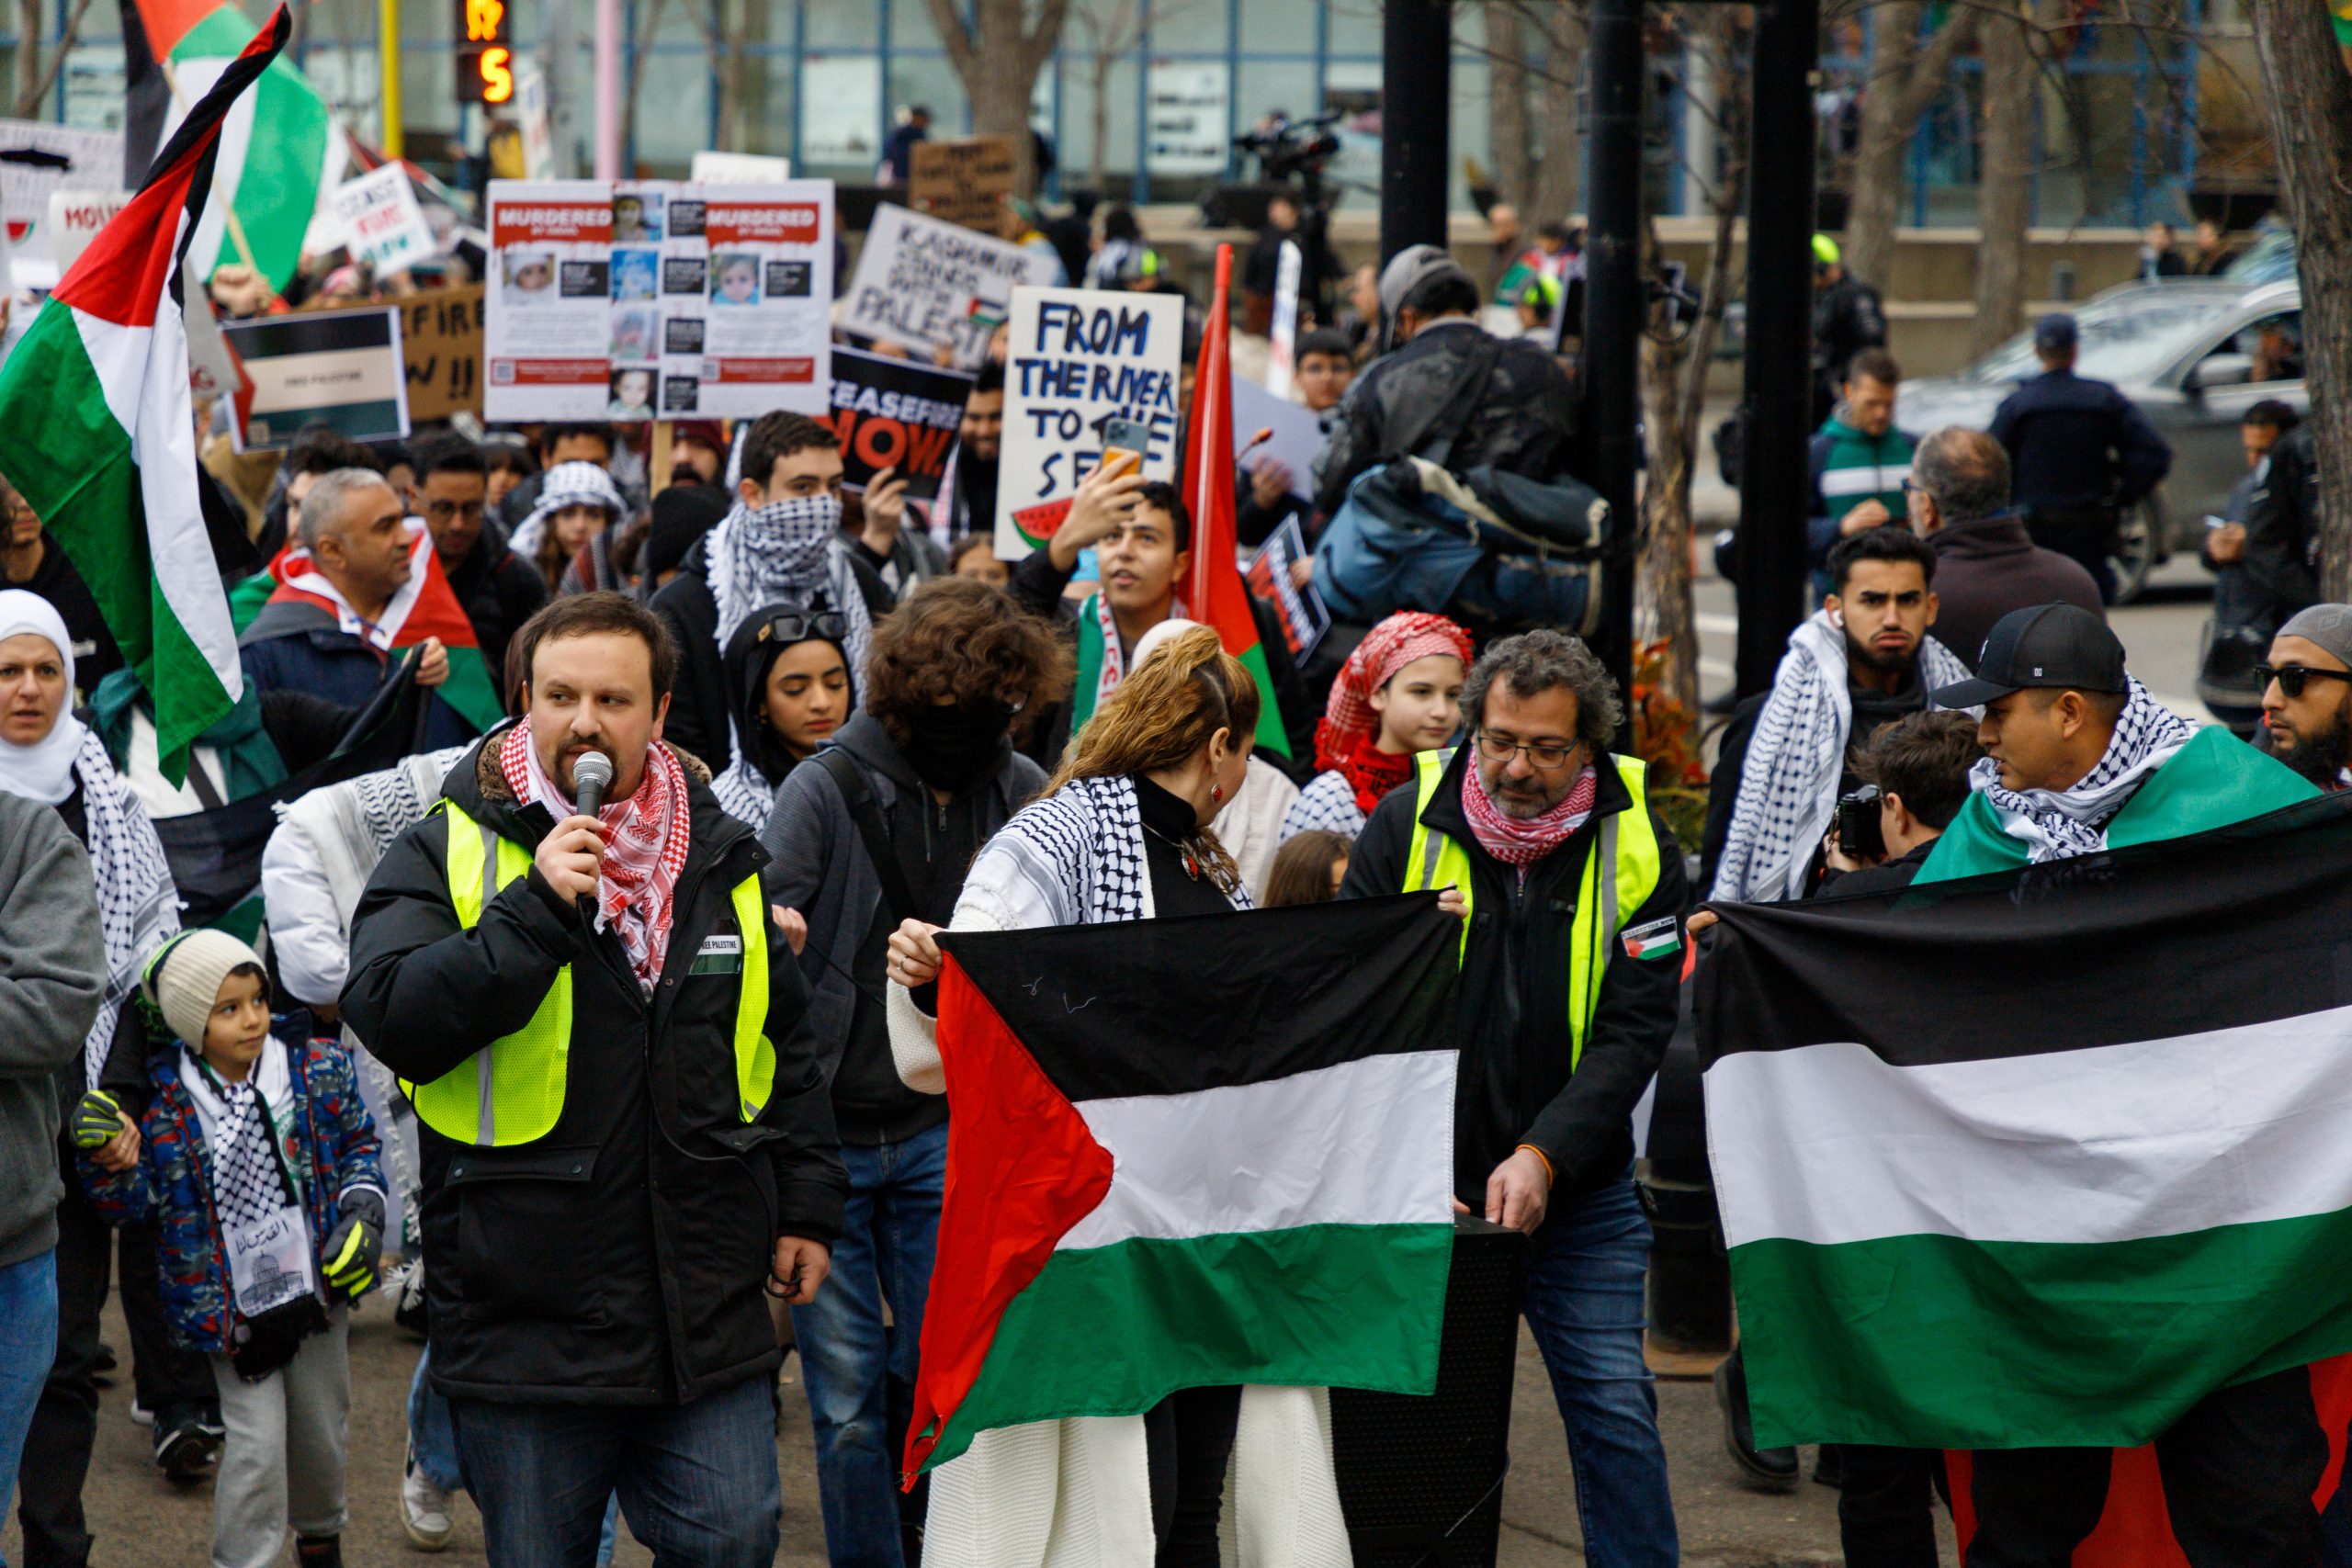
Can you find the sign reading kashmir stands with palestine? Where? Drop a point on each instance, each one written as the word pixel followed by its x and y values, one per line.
pixel 1079 357
pixel 922 283
pixel 643 299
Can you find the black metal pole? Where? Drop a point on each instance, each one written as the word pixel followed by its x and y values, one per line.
pixel 1777 389
pixel 1614 306
pixel 1416 88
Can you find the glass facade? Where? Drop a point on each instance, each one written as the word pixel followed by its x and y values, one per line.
pixel 1145 96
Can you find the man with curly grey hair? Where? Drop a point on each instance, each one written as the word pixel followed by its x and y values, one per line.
pixel 1570 891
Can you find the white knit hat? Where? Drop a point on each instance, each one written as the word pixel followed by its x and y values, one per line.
pixel 184 977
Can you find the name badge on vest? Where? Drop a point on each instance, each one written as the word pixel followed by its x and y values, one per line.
pixel 719 955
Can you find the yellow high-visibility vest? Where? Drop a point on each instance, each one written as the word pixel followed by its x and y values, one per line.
pixel 1620 873
pixel 511 1091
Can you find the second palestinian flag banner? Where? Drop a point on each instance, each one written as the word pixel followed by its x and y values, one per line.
pixel 1190 1154
pixel 103 442
pixel 424 607
pixel 2044 1157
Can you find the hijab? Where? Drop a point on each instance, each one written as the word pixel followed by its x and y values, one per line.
pixel 44 769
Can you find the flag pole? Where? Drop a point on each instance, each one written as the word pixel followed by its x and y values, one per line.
pixel 388 62
pixel 228 209
pixel 608 89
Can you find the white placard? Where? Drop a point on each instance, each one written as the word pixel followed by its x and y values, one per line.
pixel 739 168
pixel 840 111
pixel 1298 433
pixel 656 299
pixel 1190 109
pixel 382 224
pixel 74 220
pixel 37 158
pixel 1281 349
pixel 538 135
pixel 921 283
pixel 1079 357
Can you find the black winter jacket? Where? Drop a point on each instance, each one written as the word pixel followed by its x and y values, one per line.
pixel 621 1258
pixel 2281 568
pixel 1515 1084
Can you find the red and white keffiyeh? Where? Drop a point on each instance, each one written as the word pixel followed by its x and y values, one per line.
pixel 647 836
pixel 1114 664
pixel 1346 734
pixel 1524 841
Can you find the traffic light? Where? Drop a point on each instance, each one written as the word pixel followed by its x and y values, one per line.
pixel 485 52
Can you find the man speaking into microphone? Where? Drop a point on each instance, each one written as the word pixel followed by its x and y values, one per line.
pixel 627 1139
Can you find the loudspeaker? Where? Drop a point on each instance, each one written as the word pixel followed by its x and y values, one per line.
pixel 1422 1479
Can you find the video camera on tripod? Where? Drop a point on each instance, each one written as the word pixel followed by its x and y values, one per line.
pixel 1292 155
pixel 1290 149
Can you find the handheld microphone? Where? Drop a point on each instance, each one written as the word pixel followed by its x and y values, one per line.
pixel 591 777
pixel 1265 433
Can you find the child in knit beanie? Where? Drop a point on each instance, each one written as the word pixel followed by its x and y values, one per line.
pixel 267 1236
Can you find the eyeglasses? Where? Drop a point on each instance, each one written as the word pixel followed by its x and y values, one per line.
pixel 1545 755
pixel 800 625
pixel 2291 677
pixel 449 511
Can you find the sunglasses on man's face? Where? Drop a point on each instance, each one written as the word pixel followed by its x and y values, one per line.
pixel 2292 677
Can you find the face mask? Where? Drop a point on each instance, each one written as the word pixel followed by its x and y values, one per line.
pixel 952 748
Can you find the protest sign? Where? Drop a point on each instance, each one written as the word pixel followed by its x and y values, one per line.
pixel 37 158
pixel 738 168
pixel 922 283
pixel 964 181
pixel 441 342
pixel 74 218
pixel 895 413
pixel 1298 435
pixel 211 370
pixel 641 300
pixel 531 107
pixel 1305 616
pixel 341 368
pixel 1282 346
pixel 1078 357
pixel 382 224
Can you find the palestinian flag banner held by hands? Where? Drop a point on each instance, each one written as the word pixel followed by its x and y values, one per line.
pixel 1190 1154
pixel 2043 1157
pixel 97 394
pixel 1216 593
pixel 279 146
pixel 424 607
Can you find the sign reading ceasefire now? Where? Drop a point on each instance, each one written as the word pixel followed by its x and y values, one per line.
pixel 485 52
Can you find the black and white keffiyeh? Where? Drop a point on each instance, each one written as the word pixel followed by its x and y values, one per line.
pixel 1789 787
pixel 762 555
pixel 1074 858
pixel 1327 805
pixel 139 908
pixel 2058 824
pixel 744 792
pixel 246 1183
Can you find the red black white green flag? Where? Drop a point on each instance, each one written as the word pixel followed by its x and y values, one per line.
pixel 1190 1154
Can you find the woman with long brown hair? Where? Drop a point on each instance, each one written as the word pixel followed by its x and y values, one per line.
pixel 1122 833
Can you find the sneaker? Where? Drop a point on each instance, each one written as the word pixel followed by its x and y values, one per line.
pixel 103 1365
pixel 318 1552
pixel 184 1449
pixel 424 1509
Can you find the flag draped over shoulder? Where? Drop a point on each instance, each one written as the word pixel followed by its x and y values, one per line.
pixel 1217 594
pixel 424 607
pixel 2042 1157
pixel 104 445
pixel 1190 1154
pixel 279 145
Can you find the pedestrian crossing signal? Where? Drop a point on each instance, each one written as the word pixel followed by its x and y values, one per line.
pixel 485 52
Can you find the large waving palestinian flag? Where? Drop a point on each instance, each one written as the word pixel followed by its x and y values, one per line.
pixel 2042 1157
pixel 279 146
pixel 1189 1154
pixel 103 442
pixel 424 607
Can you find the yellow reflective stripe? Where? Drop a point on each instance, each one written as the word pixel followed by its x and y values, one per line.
pixel 1433 860
pixel 754 1054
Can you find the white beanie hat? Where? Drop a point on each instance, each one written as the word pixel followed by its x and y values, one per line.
pixel 184 977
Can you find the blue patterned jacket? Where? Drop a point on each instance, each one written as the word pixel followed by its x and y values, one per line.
pixel 172 1182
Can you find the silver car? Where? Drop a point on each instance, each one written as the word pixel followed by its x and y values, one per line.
pixel 2194 354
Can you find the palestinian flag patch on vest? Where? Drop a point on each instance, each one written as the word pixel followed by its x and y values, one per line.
pixel 1190 1154
pixel 1655 940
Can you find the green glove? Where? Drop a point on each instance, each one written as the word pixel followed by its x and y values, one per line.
pixel 356 1245
pixel 97 1120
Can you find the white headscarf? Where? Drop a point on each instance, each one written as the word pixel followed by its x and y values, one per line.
pixel 567 484
pixel 44 769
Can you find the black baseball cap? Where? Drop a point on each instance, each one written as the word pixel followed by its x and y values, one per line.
pixel 2055 331
pixel 2058 646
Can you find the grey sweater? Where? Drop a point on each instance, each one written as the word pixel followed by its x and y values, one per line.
pixel 52 975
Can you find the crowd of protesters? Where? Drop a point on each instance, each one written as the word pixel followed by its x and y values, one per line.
pixel 595 1025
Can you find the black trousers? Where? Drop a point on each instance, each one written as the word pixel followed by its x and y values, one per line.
pixel 1188 1439
pixel 65 1423
pixel 1887 1509
pixel 2239 1471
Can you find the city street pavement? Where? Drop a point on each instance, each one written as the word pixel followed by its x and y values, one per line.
pixel 142 1521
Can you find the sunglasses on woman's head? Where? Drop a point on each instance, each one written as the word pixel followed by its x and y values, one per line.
pixel 800 625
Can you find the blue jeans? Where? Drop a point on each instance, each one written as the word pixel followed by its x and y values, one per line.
pixel 435 1447
pixel 697 1481
pixel 1584 1305
pixel 890 1235
pixel 28 1349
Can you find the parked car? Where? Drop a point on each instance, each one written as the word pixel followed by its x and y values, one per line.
pixel 2194 354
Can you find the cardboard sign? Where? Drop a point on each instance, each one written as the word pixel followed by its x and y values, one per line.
pixel 1078 357
pixel 641 300
pixel 441 340
pixel 895 413
pixel 342 368
pixel 922 283
pixel 964 181
pixel 75 218
pixel 382 224
pixel 37 158
pixel 1305 615
pixel 738 168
